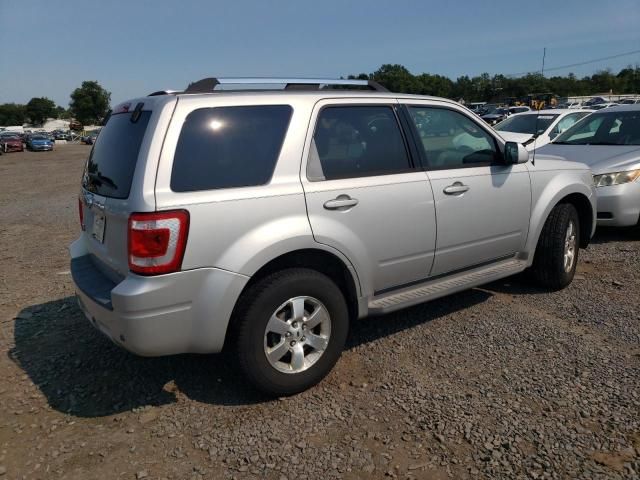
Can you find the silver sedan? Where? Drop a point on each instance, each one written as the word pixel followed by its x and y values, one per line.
pixel 609 142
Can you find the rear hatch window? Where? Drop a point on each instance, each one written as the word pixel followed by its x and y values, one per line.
pixel 109 170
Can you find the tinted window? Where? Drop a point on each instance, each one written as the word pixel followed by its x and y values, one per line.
pixel 452 140
pixel 606 128
pixel 228 147
pixel 529 123
pixel 113 158
pixel 357 141
pixel 568 121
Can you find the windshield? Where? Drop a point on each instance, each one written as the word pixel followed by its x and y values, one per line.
pixel 113 159
pixel 604 128
pixel 532 124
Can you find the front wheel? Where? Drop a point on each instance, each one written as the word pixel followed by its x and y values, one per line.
pixel 291 328
pixel 556 256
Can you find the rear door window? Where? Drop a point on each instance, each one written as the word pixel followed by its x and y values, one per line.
pixel 357 141
pixel 113 158
pixel 225 147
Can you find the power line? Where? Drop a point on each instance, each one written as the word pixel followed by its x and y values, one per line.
pixel 587 62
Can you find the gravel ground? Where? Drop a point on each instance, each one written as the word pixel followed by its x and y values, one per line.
pixel 504 381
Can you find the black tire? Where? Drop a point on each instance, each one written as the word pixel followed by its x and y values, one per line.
pixel 254 310
pixel 548 269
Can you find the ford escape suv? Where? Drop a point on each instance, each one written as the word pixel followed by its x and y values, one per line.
pixel 263 215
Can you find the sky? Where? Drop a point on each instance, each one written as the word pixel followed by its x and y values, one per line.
pixel 133 48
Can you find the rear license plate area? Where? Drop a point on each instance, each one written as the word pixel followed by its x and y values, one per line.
pixel 99 224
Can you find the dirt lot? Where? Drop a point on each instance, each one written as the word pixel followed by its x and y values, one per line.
pixel 499 382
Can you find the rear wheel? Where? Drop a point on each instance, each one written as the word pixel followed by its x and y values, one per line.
pixel 291 328
pixel 556 257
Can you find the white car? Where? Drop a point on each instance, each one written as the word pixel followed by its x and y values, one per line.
pixel 537 128
pixel 571 105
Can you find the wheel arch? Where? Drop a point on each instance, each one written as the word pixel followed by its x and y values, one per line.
pixel 319 260
pixel 558 190
pixel 585 215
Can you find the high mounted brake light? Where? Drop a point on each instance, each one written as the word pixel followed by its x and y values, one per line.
pixel 157 241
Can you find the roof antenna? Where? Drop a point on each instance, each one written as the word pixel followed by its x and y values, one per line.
pixel 535 134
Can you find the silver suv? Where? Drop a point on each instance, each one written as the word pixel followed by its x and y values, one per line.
pixel 265 220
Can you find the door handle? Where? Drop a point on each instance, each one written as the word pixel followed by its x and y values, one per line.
pixel 341 202
pixel 456 189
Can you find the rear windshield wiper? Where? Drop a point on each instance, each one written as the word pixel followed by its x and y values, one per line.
pixel 102 179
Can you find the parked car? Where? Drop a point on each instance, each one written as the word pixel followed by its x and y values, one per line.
pixel 535 129
pixel 254 220
pixel 60 135
pixel 609 142
pixel 594 101
pixel 38 142
pixel 518 109
pixel 90 138
pixel 629 101
pixel 495 115
pixel 476 107
pixel 10 142
pixel 600 106
pixel 570 105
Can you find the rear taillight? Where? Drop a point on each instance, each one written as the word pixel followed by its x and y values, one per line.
pixel 81 213
pixel 157 241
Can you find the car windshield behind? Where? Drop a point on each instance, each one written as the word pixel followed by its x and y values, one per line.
pixel 532 124
pixel 604 128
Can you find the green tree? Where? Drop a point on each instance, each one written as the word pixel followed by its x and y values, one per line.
pixel 89 103
pixel 39 109
pixel 12 114
pixel 500 88
pixel 63 113
pixel 628 80
pixel 396 78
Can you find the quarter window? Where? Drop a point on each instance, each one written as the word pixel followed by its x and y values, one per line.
pixel 451 140
pixel 357 141
pixel 226 147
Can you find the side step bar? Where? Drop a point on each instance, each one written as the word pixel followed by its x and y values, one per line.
pixel 433 289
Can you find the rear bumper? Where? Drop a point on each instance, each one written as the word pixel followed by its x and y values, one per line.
pixel 619 205
pixel 183 312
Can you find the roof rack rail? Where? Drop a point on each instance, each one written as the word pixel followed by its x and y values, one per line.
pixel 163 92
pixel 208 85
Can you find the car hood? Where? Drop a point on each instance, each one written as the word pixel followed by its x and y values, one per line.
pixel 38 141
pixel 515 137
pixel 601 158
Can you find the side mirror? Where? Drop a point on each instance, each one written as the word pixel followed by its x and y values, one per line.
pixel 554 134
pixel 515 153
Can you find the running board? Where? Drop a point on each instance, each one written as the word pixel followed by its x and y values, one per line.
pixel 433 289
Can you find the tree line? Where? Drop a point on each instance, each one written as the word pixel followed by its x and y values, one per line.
pixel 487 88
pixel 89 104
